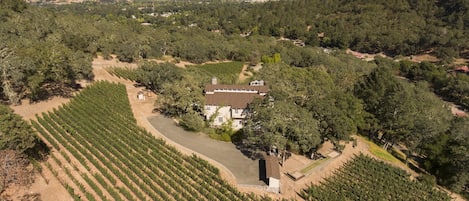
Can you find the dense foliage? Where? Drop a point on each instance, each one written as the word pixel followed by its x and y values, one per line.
pixel 449 84
pixel 282 125
pixel 97 128
pixel 35 60
pixel 365 178
pixel 153 75
pixel 411 27
pixel 60 40
pixel 18 144
pixel 446 156
pixel 311 89
pixel 15 133
pixel 408 113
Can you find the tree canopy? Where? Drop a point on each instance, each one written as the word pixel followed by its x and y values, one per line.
pixel 282 125
pixel 339 112
pixel 16 134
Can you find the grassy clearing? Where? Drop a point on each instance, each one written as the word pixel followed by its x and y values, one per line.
pixel 380 152
pixel 313 165
pixel 227 72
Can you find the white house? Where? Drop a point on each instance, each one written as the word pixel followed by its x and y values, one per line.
pixel 228 103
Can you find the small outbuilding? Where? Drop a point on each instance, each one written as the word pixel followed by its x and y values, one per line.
pixel 141 96
pixel 272 173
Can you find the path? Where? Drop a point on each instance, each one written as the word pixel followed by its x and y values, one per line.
pixel 244 74
pixel 244 169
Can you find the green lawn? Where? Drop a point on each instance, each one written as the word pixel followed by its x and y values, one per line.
pixel 226 72
pixel 313 165
pixel 380 152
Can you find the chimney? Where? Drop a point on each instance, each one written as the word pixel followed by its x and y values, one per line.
pixel 214 81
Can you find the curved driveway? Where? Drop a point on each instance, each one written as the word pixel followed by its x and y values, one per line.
pixel 244 169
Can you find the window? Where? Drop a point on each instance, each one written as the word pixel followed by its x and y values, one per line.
pixel 220 119
pixel 207 108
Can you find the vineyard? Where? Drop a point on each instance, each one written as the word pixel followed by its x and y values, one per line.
pixel 365 178
pixel 226 72
pixel 103 155
pixel 127 73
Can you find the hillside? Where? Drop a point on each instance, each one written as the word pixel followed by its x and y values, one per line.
pixel 320 92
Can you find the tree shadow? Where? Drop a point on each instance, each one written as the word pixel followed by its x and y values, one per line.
pixel 39 151
pixel 54 89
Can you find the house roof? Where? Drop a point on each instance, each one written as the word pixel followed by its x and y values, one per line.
pixel 272 168
pixel 235 100
pixel 213 87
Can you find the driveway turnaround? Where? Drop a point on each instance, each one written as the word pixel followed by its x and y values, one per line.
pixel 244 169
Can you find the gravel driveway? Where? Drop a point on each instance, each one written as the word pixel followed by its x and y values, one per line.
pixel 244 169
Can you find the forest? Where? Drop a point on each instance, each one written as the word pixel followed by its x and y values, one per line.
pixel 334 94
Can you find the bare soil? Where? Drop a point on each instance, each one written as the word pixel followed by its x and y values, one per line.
pixel 244 74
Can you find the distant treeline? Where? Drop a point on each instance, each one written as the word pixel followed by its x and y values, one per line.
pixel 401 27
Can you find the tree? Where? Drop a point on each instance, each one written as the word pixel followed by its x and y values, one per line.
pixel 281 125
pixel 338 112
pixel 446 156
pixel 153 75
pixel 181 97
pixel 15 133
pixel 15 5
pixel 458 147
pixel 7 77
pixel 14 169
pixel 192 121
pixel 405 112
pixel 433 117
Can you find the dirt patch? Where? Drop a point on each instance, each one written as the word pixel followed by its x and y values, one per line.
pixel 423 57
pixel 461 61
pixel 457 111
pixel 290 188
pixel 244 74
pixel 45 185
pixel 364 56
pixel 29 110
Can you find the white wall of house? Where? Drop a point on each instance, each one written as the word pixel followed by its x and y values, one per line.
pixel 237 124
pixel 223 114
pixel 209 110
pixel 274 185
pixel 238 113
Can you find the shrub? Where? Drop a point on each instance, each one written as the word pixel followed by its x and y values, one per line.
pixel 192 122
